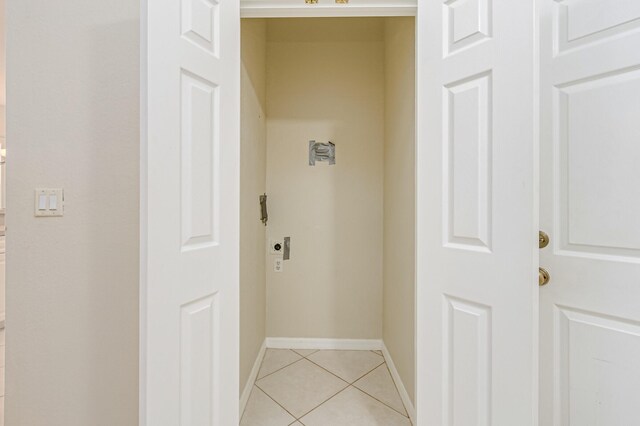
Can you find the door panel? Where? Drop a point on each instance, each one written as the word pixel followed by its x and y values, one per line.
pixel 476 243
pixel 597 357
pixel 583 22
pixel 590 205
pixel 190 193
pixel 596 148
pixel 467 187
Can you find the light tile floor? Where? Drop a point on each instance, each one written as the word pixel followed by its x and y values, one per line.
pixel 324 388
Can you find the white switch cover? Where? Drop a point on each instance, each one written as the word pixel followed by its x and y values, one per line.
pixel 49 202
pixel 277 265
pixel 42 202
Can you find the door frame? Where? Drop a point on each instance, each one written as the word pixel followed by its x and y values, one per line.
pixel 362 9
pixel 298 9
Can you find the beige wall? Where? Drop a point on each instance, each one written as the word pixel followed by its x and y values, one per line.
pixel 3 52
pixel 72 282
pixel 399 197
pixel 252 184
pixel 325 82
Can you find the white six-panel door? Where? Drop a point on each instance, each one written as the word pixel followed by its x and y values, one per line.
pixel 590 207
pixel 476 243
pixel 189 220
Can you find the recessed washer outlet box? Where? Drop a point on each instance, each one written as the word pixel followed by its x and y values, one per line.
pixel 276 246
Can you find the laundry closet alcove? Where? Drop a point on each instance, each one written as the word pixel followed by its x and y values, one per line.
pixel 350 279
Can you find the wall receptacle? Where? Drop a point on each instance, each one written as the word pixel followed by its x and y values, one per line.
pixel 277 265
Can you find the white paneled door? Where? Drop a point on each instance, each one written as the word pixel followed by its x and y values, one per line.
pixel 590 208
pixel 190 207
pixel 477 293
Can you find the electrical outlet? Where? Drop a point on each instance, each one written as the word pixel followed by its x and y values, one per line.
pixel 277 265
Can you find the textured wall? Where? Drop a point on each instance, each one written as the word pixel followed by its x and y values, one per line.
pixel 399 198
pixel 325 81
pixel 253 162
pixel 72 282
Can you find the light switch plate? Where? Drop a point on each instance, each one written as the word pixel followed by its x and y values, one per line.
pixel 49 202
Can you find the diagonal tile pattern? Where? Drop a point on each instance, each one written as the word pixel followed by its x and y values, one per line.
pixel 301 387
pixel 379 384
pixel 348 365
pixel 262 410
pixel 354 408
pixel 305 352
pixel 275 359
pixel 324 387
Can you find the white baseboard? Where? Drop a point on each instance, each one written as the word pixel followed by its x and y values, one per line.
pixel 310 343
pixel 244 398
pixel 408 405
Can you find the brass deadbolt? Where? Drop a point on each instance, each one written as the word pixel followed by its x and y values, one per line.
pixel 543 239
pixel 543 277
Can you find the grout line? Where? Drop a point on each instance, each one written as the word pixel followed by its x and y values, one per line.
pixel 368 372
pixel 383 403
pixel 333 374
pixel 396 387
pixel 304 356
pixel 352 384
pixel 380 401
pixel 397 390
pixel 397 381
pixel 349 384
pixel 280 405
pixel 324 402
pixel 360 390
pixel 255 385
pixel 279 369
pixel 298 418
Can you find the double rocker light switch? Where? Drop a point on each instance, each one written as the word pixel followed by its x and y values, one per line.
pixel 49 202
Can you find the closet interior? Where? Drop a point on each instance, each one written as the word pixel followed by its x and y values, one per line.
pixel 328 136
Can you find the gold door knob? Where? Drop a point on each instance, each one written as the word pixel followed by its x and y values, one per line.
pixel 543 277
pixel 543 239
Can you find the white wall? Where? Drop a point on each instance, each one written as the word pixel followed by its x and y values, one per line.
pixel 72 282
pixel 325 82
pixel 399 197
pixel 253 159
